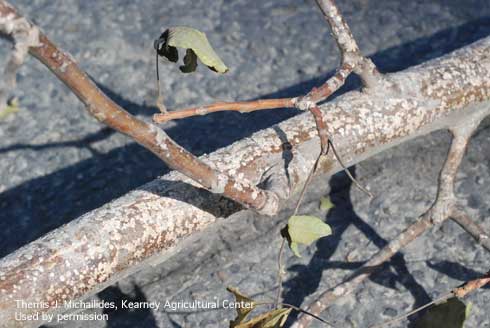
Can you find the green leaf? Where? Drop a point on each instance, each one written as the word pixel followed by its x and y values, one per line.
pixel 242 312
pixel 272 319
pixel 305 229
pixel 450 314
pixel 294 248
pixel 326 204
pixel 197 45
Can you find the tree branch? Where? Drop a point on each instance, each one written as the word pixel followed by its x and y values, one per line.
pixel 147 135
pixel 352 60
pixel 441 210
pixel 474 229
pixel 349 50
pixel 239 106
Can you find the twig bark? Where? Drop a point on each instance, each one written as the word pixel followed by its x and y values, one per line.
pixel 350 52
pixel 474 229
pixel 150 136
pixel 441 209
pixel 302 103
pixel 239 106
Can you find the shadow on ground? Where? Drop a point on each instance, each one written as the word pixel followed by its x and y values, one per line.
pixel 143 317
pixel 340 217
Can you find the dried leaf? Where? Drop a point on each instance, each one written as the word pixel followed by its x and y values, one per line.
pixel 272 319
pixel 450 314
pixel 242 312
pixel 197 45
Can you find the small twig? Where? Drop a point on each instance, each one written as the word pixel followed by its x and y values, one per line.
pixel 296 308
pixel 321 128
pixel 459 292
pixel 438 212
pixel 347 45
pixel 239 106
pixel 321 93
pixel 471 285
pixel 350 284
pixel 474 229
pixel 346 170
pixel 305 102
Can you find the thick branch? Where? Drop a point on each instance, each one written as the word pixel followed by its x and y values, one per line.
pixel 149 224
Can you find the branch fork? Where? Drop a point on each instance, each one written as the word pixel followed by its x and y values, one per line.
pixel 444 207
pixel 352 60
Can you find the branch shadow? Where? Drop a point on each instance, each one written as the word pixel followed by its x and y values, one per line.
pixel 456 271
pixel 35 207
pixel 123 316
pixel 340 218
